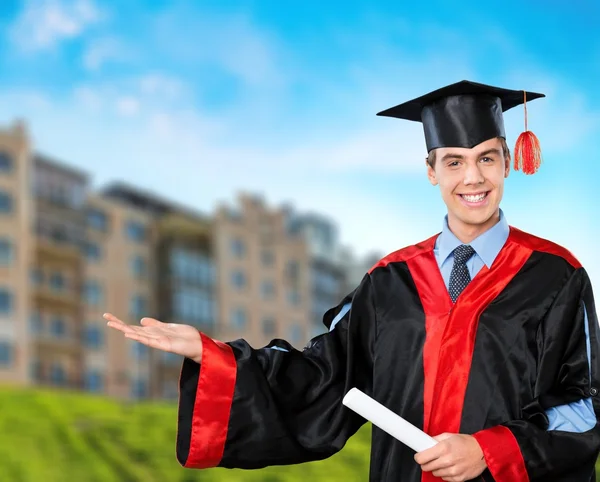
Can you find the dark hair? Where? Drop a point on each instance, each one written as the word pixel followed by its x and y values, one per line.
pixel 505 149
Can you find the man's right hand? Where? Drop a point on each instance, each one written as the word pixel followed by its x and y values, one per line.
pixel 179 339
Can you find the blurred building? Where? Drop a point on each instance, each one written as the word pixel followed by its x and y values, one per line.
pixel 264 274
pixel 355 267
pixel 176 270
pixel 69 253
pixel 17 245
pixel 326 274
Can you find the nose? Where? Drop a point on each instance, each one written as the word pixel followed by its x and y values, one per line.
pixel 473 175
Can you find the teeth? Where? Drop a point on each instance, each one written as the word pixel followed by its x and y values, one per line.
pixel 474 198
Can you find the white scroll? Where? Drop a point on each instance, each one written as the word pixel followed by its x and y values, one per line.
pixel 387 420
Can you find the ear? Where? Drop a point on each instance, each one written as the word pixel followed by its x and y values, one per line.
pixel 431 174
pixel 506 166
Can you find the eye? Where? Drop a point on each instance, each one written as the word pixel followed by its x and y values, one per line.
pixel 487 159
pixel 453 164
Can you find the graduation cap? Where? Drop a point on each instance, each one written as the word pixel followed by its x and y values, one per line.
pixel 466 113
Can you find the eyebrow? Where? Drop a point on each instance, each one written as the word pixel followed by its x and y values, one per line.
pixel 454 155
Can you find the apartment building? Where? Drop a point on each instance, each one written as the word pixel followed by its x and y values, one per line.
pixel 263 272
pixel 16 254
pixel 119 277
pixel 182 282
pixel 57 273
pixel 327 272
pixel 68 254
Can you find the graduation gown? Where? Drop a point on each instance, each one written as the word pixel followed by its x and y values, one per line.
pixel 512 346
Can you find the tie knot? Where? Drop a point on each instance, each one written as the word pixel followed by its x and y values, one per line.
pixel 463 253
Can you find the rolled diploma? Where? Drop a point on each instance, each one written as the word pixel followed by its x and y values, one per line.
pixel 387 420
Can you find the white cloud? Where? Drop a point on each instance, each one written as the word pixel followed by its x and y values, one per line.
pixel 127 106
pixel 161 85
pixel 103 50
pixel 44 23
pixel 231 41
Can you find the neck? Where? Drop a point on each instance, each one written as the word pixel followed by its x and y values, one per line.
pixel 466 232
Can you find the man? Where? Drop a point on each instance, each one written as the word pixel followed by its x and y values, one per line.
pixel 483 336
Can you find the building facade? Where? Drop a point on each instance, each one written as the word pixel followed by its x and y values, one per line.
pixel 264 279
pixel 69 253
pixel 17 246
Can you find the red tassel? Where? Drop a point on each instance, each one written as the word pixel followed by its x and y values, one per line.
pixel 528 154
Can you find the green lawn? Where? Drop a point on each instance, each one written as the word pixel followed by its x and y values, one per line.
pixel 52 436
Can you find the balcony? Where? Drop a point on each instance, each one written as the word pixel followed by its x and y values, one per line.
pixel 59 251
pixel 178 226
pixel 67 299
pixel 45 344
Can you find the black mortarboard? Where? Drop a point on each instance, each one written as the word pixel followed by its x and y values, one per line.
pixel 465 114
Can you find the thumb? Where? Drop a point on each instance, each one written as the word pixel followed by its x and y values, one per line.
pixel 150 322
pixel 443 436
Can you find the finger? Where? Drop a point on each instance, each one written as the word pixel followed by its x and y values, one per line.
pixel 443 436
pixel 441 463
pixel 429 455
pixel 119 325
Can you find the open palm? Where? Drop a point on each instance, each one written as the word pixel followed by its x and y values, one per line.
pixel 182 340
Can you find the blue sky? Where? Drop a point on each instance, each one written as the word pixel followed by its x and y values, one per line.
pixel 197 100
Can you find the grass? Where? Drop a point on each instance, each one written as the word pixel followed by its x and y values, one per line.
pixel 54 436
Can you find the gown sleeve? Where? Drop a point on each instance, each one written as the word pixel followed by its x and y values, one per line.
pixel 525 450
pixel 250 408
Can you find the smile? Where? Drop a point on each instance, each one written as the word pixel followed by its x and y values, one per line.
pixel 474 198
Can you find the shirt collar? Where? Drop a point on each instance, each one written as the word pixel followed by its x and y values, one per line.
pixel 486 245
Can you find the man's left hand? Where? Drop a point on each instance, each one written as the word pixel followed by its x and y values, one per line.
pixel 456 458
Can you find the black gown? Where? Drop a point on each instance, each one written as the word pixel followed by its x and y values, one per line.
pixel 512 346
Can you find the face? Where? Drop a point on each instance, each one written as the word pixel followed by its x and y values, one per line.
pixel 471 182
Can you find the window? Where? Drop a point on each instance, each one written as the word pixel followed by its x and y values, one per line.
pixel 267 290
pixel 6 302
pixel 171 390
pixel 192 267
pixel 92 293
pixel 139 351
pixel 6 202
pixel 36 276
pixel 139 388
pixel 94 337
pixel 92 251
pixel 293 297
pixel 58 327
pixel 293 271
pixel 268 326
pixel 57 374
pixel 97 219
pixel 35 370
pixel 239 319
pixel 35 322
pixel 238 279
pixel 194 305
pixel 238 248
pixel 135 231
pixel 6 162
pixel 94 381
pixel 267 258
pixel 6 354
pixel 296 334
pixel 171 358
pixel 6 252
pixel 138 266
pixel 138 306
pixel 57 282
